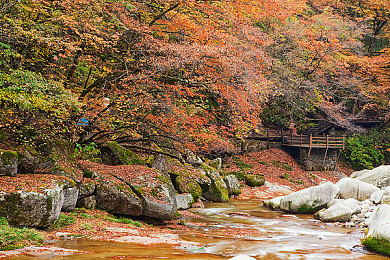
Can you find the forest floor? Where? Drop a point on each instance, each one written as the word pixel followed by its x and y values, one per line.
pixel 282 173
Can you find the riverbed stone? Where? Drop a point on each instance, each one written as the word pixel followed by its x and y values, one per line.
pixel 356 189
pixel 232 184
pixel 184 201
pixel 385 199
pixel 217 191
pixel 309 200
pixel 8 163
pixel 378 232
pixel 32 209
pixel 379 176
pixel 273 203
pixel 339 212
pixel 352 204
pixel 377 196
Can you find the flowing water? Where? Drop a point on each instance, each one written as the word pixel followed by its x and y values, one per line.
pixel 278 236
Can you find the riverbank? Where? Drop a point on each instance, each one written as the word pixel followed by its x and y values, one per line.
pixel 282 176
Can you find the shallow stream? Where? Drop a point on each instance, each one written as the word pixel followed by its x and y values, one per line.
pixel 278 236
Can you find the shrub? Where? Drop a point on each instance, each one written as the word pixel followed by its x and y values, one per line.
pixel 366 151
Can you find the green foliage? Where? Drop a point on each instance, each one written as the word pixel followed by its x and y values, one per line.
pixel 13 237
pixel 62 221
pixel 87 152
pixel 366 151
pixel 29 91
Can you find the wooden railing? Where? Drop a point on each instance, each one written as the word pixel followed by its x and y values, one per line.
pixel 311 141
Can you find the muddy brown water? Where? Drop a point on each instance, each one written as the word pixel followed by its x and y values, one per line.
pixel 283 236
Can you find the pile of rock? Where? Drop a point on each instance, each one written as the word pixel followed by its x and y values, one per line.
pixel 119 186
pixel 362 200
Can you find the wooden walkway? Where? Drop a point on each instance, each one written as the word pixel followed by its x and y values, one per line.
pixel 302 141
pixel 310 141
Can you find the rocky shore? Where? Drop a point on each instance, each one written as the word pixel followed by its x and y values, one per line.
pixel 362 200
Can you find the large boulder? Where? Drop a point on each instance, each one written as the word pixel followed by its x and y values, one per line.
pixel 356 189
pixel 378 232
pixel 185 184
pixel 352 204
pixel 379 176
pixel 71 195
pixel 184 201
pixel 273 203
pixel 117 197
pixel 217 191
pixel 8 163
pixel 233 185
pixel 339 212
pixel 153 187
pixel 114 154
pixel 37 203
pixel 309 200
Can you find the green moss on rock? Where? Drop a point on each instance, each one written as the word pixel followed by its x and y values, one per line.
pixel 187 185
pixel 114 154
pixel 379 245
pixel 255 180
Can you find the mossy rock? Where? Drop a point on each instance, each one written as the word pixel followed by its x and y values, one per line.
pixel 379 245
pixel 185 184
pixel 117 197
pixel 217 191
pixel 8 163
pixel 114 154
pixel 241 175
pixel 32 209
pixel 255 180
pixel 216 164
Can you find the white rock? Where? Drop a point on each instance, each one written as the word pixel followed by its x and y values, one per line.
pixel 352 188
pixel 380 176
pixel 184 201
pixel 273 203
pixel 334 201
pixel 350 203
pixel 385 199
pixel 359 173
pixel 376 197
pixel 336 213
pixel 379 224
pixel 309 200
